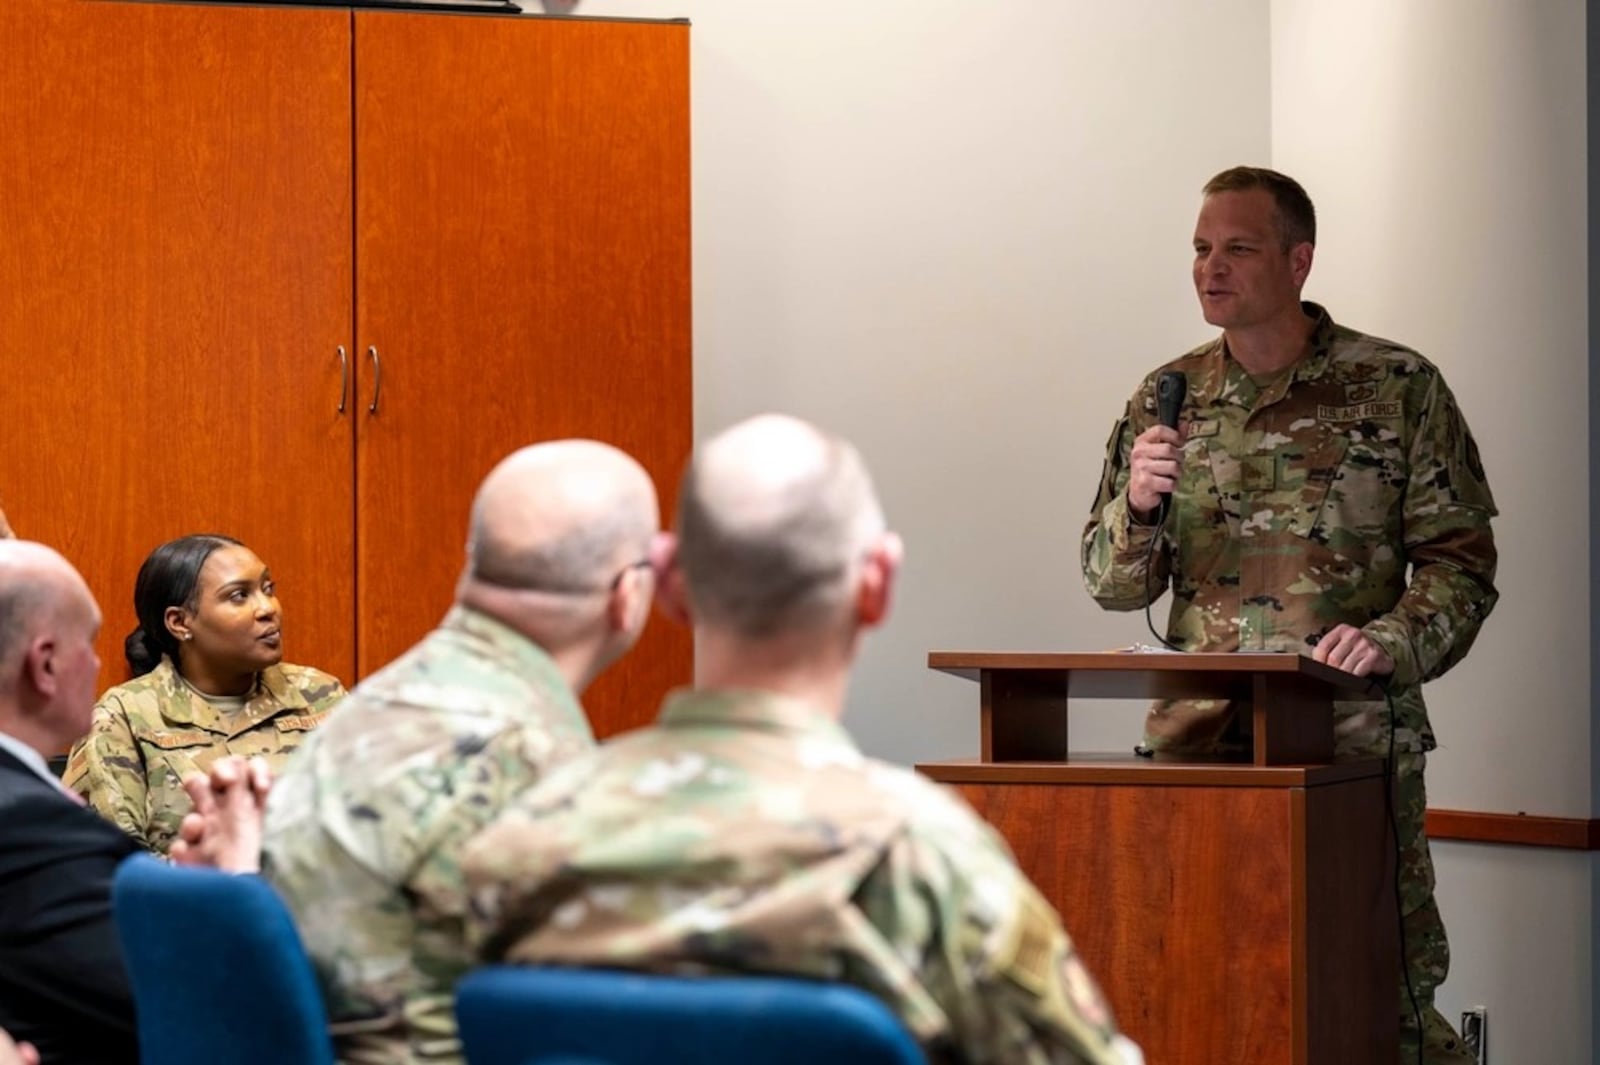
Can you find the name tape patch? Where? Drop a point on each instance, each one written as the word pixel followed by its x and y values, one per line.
pixel 1351 412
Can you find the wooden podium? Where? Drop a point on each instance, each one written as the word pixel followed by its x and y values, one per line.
pixel 1233 912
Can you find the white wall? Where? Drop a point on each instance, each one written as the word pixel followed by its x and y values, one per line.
pixel 1445 142
pixel 958 233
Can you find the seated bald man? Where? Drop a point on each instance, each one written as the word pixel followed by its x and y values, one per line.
pixel 364 828
pixel 64 992
pixel 745 833
pixel 63 987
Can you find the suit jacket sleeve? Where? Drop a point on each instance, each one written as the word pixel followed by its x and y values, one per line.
pixel 61 963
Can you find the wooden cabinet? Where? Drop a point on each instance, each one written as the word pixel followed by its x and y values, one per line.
pixel 201 206
pixel 175 275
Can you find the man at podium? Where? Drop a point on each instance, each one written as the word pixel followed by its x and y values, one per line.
pixel 1326 498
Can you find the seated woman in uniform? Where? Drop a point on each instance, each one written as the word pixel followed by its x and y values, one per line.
pixel 209 681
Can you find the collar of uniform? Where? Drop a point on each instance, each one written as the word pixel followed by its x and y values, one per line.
pixel 186 706
pixel 747 708
pixel 181 704
pixel 1209 383
pixel 275 682
pixel 1222 378
pixel 1319 344
pixel 499 641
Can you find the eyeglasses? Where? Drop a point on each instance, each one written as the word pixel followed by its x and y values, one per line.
pixel 570 589
pixel 616 582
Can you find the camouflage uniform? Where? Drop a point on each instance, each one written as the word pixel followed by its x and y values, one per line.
pixel 1301 505
pixel 365 826
pixel 151 732
pixel 746 833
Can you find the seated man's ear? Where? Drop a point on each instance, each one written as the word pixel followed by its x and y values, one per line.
pixel 672 594
pixel 875 589
pixel 39 665
pixel 629 607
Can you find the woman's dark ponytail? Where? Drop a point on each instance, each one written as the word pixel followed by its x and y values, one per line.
pixel 142 658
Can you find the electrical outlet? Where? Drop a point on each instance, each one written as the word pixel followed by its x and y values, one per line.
pixel 1475 1032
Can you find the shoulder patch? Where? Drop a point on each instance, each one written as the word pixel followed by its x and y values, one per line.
pixel 1027 953
pixel 1474 462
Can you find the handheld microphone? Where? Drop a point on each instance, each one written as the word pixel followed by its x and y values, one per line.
pixel 1171 388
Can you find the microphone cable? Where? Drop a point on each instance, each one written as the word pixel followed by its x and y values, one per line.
pixel 1149 564
pixel 1389 769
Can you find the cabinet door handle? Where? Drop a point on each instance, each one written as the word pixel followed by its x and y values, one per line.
pixel 377 379
pixel 344 378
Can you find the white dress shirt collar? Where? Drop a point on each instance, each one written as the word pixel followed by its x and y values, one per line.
pixel 30 758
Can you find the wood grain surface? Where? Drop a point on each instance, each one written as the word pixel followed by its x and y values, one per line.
pixel 523 269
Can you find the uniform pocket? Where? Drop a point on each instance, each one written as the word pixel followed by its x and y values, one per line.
pixel 169 756
pixel 1362 501
pixel 1306 476
pixel 1282 485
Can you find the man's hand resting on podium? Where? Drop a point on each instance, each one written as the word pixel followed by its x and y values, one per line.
pixel 1348 648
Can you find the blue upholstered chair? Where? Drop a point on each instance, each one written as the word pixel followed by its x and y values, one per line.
pixel 512 1015
pixel 218 970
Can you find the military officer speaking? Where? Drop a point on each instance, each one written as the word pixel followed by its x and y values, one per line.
pixel 1326 498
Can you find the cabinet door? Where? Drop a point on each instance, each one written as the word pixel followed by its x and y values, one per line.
pixel 522 251
pixel 175 276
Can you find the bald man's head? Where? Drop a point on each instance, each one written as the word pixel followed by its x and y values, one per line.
pixel 35 584
pixel 48 625
pixel 773 518
pixel 561 517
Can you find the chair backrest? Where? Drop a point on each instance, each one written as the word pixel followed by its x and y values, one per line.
pixel 512 1015
pixel 218 970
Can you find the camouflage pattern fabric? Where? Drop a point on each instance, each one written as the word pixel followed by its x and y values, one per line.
pixel 151 732
pixel 746 834
pixel 1427 948
pixel 365 826
pixel 1300 507
pixel 1304 503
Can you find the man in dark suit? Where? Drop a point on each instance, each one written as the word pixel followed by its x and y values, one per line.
pixel 62 983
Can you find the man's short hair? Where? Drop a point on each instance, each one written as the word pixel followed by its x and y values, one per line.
pixel 579 561
pixel 779 560
pixel 21 602
pixel 1297 218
